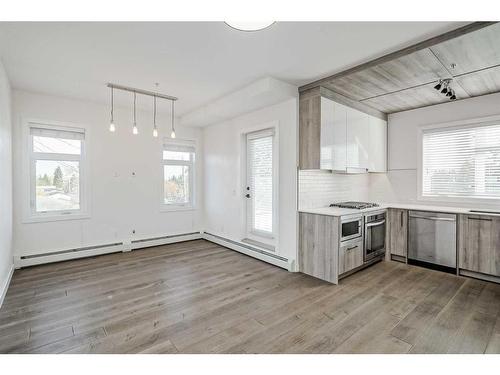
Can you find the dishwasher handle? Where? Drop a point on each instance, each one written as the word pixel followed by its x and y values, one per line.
pixel 434 218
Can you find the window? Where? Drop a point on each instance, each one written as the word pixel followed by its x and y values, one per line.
pixel 178 175
pixel 261 186
pixel 461 162
pixel 56 170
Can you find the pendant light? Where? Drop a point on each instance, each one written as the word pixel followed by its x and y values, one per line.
pixel 172 135
pixel 155 130
pixel 135 131
pixel 112 122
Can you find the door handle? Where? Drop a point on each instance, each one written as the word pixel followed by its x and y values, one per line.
pixel 402 219
pixel 247 195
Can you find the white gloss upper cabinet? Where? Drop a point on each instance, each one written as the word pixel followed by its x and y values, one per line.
pixel 333 135
pixel 358 141
pixel 378 145
pixel 351 141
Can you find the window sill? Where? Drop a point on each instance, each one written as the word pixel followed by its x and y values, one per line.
pixel 166 208
pixel 50 218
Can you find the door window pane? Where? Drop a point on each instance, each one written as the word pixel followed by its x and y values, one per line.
pixel 57 185
pixel 176 184
pixel 261 182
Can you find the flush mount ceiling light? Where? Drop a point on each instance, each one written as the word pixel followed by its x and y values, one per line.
pixel 135 91
pixel 249 25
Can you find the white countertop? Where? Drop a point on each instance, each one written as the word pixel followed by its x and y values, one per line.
pixel 337 211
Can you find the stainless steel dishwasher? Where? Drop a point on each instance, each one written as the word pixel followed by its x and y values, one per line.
pixel 433 240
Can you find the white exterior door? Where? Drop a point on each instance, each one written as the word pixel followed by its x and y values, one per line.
pixel 260 190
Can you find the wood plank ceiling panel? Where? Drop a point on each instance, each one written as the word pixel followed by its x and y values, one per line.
pixel 421 96
pixel 418 68
pixel 477 50
pixel 480 83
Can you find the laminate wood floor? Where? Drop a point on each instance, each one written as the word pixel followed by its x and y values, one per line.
pixel 198 297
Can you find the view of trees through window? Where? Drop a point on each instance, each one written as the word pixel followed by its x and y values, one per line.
pixel 176 179
pixel 57 185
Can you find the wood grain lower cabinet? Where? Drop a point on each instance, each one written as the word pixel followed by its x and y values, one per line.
pixel 318 246
pixel 350 256
pixel 479 244
pixel 397 233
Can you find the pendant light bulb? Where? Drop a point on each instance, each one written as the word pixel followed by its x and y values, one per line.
pixel 135 131
pixel 112 127
pixel 155 133
pixel 172 135
pixel 112 122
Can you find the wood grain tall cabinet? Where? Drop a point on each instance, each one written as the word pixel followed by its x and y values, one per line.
pixel 318 246
pixel 397 234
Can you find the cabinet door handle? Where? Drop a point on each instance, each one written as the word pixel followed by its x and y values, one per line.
pixel 401 219
pixel 351 248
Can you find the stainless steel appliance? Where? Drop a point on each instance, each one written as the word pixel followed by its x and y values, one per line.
pixel 433 239
pixel 354 205
pixel 374 235
pixel 351 227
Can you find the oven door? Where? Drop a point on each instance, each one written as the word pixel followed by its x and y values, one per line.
pixel 351 228
pixel 374 239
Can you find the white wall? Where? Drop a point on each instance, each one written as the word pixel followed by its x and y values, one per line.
pixel 5 181
pixel 119 202
pixel 400 184
pixel 223 182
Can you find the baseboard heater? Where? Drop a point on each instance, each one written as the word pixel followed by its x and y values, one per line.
pixel 249 250
pixel 89 251
pixel 166 237
pixel 72 250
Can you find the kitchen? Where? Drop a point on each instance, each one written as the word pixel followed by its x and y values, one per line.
pixel 375 185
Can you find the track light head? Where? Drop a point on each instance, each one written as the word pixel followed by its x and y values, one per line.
pixel 444 91
pixel 438 86
pixel 453 97
pixel 449 93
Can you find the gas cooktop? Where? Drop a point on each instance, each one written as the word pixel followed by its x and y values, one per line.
pixel 354 205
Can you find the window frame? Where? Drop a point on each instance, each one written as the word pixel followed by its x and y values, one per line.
pixel 191 204
pixel 259 236
pixel 461 124
pixel 30 215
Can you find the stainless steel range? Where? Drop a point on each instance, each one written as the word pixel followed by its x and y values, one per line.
pixel 354 205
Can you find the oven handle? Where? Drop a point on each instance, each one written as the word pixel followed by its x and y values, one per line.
pixel 368 225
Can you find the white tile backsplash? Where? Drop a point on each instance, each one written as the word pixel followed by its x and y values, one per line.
pixel 319 188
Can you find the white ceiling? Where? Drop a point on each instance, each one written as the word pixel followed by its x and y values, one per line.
pixel 196 61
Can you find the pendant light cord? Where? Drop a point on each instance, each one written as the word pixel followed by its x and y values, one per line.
pixel 134 110
pixel 173 128
pixel 154 112
pixel 112 105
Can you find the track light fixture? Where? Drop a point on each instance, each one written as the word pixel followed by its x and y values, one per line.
pixel 135 91
pixel 443 86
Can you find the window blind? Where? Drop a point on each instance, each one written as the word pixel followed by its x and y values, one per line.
pixel 53 133
pixel 260 153
pixel 461 162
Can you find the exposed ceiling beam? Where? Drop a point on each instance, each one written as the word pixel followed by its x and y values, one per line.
pixel 474 26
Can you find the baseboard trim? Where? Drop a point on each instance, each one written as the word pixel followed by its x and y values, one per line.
pixel 5 285
pixel 480 276
pixel 249 250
